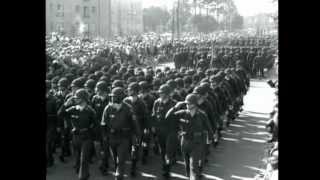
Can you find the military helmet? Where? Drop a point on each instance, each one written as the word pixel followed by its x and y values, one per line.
pixel 132 79
pixel 205 86
pixel 191 99
pixel 102 86
pixel 90 84
pixel 143 85
pixel 63 82
pixel 134 86
pixel 117 83
pixel 76 83
pixel 179 82
pixel 55 80
pixel 165 89
pixel 199 90
pixel 117 91
pixel 172 84
pixel 82 94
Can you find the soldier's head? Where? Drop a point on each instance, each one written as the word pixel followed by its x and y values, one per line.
pixel 63 84
pixel 117 83
pixel 101 87
pixel 117 95
pixel 90 84
pixel 192 101
pixel 76 84
pixel 133 89
pixel 81 96
pixel 144 86
pixel 200 91
pixel 164 91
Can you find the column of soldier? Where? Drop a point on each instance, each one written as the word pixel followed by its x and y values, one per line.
pixel 122 113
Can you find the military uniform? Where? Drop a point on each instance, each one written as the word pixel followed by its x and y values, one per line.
pixel 119 126
pixel 83 122
pixel 193 136
pixel 165 130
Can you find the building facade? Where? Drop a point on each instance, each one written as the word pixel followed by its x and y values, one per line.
pixel 94 18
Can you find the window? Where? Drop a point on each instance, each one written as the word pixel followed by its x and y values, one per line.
pixel 60 12
pixel 77 8
pixel 93 10
pixel 86 11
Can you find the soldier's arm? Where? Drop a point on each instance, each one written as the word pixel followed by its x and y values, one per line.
pixel 207 124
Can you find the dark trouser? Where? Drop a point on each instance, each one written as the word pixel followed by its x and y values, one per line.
pixel 120 148
pixel 105 154
pixel 65 146
pixel 193 153
pixel 145 142
pixel 82 147
pixel 168 143
pixel 50 144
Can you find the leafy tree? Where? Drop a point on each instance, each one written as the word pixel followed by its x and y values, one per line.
pixel 237 22
pixel 153 17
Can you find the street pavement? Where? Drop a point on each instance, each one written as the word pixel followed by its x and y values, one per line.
pixel 239 155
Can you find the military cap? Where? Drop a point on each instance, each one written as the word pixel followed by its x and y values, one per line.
pixel 140 78
pixel 167 68
pixel 195 78
pixel 149 78
pixel 82 94
pixel 134 86
pixel 117 83
pixel 117 91
pixel 92 76
pixel 165 89
pixel 158 71
pixel 191 99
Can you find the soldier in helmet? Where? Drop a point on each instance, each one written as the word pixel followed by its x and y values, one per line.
pixel 119 126
pixel 83 121
pixel 193 122
pixel 52 124
pixel 140 114
pixel 148 99
pixel 89 86
pixel 69 101
pixel 164 130
pixel 99 102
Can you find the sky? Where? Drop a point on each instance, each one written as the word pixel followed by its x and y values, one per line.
pixel 245 7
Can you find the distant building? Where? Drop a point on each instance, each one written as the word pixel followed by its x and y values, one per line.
pixel 94 18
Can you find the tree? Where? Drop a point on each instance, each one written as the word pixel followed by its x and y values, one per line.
pixel 237 22
pixel 153 17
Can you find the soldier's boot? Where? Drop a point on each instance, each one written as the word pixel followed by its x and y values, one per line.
pixel 133 171
pixel 166 171
pixel 119 177
pixel 187 168
pixel 145 155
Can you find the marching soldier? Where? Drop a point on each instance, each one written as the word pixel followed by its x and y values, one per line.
pixel 164 129
pixel 83 121
pixel 139 110
pixel 194 122
pixel 119 127
pixel 99 101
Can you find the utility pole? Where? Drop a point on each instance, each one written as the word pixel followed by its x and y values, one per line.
pixel 172 37
pixel 178 20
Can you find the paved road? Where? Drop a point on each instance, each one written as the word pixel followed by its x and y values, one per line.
pixel 238 156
